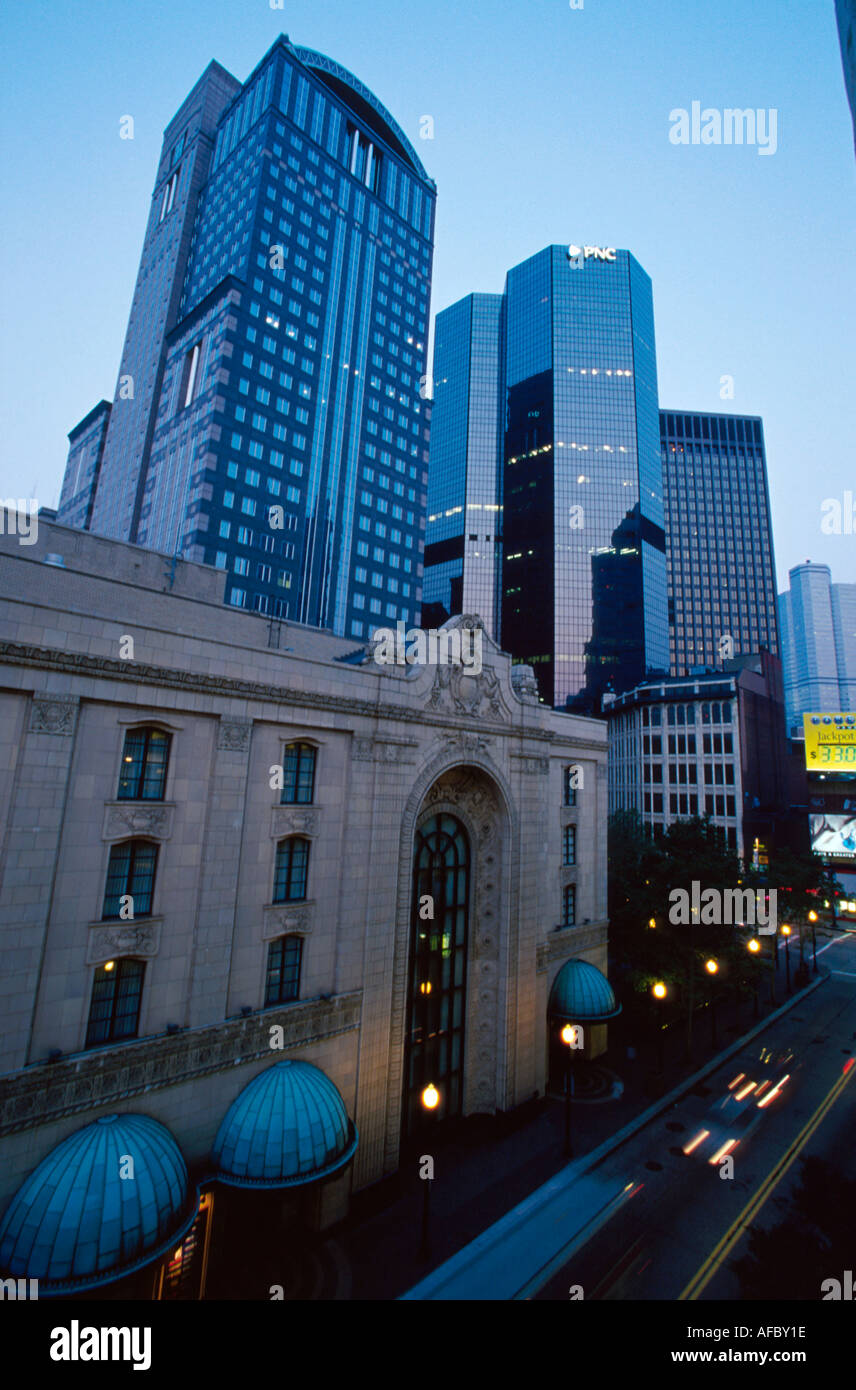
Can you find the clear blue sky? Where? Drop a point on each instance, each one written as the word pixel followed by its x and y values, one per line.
pixel 551 125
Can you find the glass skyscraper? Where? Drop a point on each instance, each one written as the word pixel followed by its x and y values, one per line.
pixel 818 620
pixel 552 388
pixel 722 586
pixel 268 417
pixel 462 549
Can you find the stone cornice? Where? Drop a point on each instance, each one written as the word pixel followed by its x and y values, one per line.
pixel 569 942
pixel 49 1092
pixel 171 678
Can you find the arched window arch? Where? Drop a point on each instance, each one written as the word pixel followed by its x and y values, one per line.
pixel 145 757
pixel 291 872
pixel 282 980
pixel 438 966
pixel 298 773
pixel 130 873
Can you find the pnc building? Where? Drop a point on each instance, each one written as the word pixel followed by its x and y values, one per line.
pixel 275 352
pixel 546 478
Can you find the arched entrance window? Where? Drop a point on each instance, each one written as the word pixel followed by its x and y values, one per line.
pixel 438 964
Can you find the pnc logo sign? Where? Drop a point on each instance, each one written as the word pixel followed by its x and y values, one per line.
pixel 600 253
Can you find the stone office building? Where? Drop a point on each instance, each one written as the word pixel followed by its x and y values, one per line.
pixel 281 815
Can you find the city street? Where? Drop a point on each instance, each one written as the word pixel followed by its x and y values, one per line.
pixel 675 1236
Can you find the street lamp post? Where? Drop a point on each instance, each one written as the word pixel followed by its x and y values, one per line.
pixel 569 1037
pixel 754 946
pixel 812 917
pixel 712 966
pixel 786 932
pixel 430 1100
pixel 659 991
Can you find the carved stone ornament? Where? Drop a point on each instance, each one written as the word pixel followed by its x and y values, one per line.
pixel 123 939
pixel 281 918
pixel 468 742
pixel 286 820
pixel 53 714
pixel 457 689
pixel 524 684
pixel 235 735
pixel 127 819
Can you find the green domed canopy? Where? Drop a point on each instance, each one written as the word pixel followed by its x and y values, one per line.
pixel 86 1216
pixel 582 994
pixel 289 1126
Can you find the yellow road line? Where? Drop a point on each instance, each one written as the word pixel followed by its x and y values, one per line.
pixel 720 1253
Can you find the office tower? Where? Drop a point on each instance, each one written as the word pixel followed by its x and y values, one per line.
pixel 846 13
pixel 707 745
pixel 462 541
pixel 270 415
pixel 582 575
pixel 722 595
pixel 818 620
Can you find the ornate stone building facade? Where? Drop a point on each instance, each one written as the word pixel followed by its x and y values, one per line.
pixel 240 883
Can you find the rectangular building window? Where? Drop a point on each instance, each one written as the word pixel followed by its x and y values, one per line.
pixel 130 873
pixel 570 845
pixel 282 983
pixel 114 1011
pixel 191 372
pixel 142 776
pixel 569 905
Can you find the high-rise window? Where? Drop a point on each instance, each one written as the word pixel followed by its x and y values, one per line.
pixel 292 868
pixel 114 1012
pixel 282 983
pixel 142 776
pixel 191 372
pixel 298 769
pixel 130 873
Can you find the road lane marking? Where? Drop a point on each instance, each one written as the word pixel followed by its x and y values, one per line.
pixel 738 1228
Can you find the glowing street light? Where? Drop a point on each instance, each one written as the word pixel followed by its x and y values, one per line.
pixel 786 933
pixel 659 990
pixel 430 1099
pixel 711 966
pixel 430 1096
pixel 569 1036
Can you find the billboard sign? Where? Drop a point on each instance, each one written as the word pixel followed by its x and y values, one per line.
pixel 833 836
pixel 830 742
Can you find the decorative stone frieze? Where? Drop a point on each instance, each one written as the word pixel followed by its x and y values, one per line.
pixel 47 1093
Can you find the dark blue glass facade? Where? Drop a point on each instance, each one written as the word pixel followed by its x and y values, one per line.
pixel 546 411
pixel 288 443
pixel 583 589
pixel 722 587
